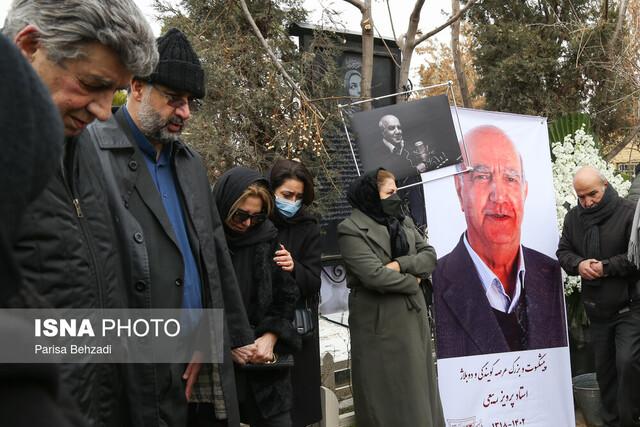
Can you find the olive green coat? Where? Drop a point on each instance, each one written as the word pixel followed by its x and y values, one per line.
pixel 393 374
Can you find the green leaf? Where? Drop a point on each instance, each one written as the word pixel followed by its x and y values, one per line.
pixel 568 125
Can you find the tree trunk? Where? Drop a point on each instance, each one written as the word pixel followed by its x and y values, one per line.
pixel 407 49
pixel 367 53
pixel 457 60
pixel 622 12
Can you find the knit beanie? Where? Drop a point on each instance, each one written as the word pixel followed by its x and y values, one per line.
pixel 32 141
pixel 179 67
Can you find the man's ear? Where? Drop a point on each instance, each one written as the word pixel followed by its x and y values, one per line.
pixel 137 89
pixel 28 41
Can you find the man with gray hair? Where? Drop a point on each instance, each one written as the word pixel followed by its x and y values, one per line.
pixel 162 193
pixel 83 50
pixel 394 156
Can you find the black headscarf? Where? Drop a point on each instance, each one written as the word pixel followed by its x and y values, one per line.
pixel 593 217
pixel 363 195
pixel 228 189
pixel 32 136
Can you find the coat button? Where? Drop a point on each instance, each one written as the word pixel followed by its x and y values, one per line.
pixel 138 237
pixel 140 285
pixel 178 282
pixel 133 165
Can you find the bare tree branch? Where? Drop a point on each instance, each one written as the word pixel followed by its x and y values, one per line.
pixel 622 144
pixel 407 47
pixel 276 62
pixel 452 19
pixel 357 3
pixel 393 30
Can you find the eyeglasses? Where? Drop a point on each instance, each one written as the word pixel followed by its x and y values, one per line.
pixel 178 101
pixel 241 216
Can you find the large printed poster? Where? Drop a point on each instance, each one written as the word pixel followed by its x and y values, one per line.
pixel 501 337
pixel 414 140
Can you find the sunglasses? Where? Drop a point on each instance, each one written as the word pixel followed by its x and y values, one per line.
pixel 241 216
pixel 178 101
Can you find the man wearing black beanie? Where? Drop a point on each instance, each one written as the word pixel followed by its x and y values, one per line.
pixel 178 256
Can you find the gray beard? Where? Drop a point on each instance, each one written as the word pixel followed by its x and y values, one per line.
pixel 153 126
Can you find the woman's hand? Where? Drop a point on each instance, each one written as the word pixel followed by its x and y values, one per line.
pixel 284 260
pixel 243 355
pixel 394 265
pixel 264 348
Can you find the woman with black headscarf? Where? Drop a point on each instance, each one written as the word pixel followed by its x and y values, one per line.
pixel 269 295
pixel 299 234
pixel 393 374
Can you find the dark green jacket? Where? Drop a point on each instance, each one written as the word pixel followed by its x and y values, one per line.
pixel 393 373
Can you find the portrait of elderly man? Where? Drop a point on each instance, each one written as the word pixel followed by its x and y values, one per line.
pixel 394 155
pixel 492 294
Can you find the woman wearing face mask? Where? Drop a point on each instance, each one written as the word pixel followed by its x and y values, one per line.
pixel 269 295
pixel 299 235
pixel 393 374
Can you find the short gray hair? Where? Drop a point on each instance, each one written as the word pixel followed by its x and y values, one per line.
pixel 384 120
pixel 66 25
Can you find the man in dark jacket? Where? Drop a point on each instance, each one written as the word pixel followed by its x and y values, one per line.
pixel 593 245
pixel 172 233
pixel 32 134
pixel 83 50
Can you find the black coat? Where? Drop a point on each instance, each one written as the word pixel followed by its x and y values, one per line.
pixel 301 236
pixel 33 136
pixel 269 293
pixel 67 253
pixel 605 296
pixel 68 256
pixel 155 269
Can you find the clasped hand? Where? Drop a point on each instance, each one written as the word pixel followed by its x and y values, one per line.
pixel 591 269
pixel 261 351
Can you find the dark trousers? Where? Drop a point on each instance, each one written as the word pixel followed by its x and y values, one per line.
pixel 616 344
pixel 203 415
pixel 250 414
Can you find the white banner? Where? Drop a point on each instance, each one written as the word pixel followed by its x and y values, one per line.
pixel 503 359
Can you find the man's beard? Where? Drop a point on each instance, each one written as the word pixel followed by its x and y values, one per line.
pixel 154 127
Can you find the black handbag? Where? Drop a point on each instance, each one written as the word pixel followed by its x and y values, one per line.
pixel 284 361
pixel 303 321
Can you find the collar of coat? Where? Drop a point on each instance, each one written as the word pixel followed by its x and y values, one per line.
pixel 378 233
pixel 112 135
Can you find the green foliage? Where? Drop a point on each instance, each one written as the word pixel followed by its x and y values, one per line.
pixel 551 58
pixel 250 115
pixel 567 125
pixel 119 98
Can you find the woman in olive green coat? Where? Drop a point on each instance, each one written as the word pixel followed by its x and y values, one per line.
pixel 393 374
